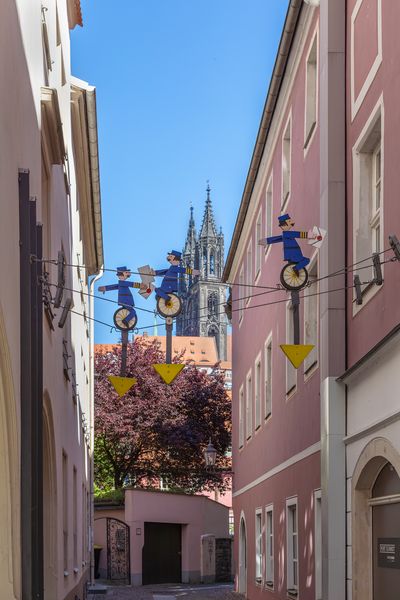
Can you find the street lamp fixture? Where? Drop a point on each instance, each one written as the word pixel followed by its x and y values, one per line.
pixel 210 454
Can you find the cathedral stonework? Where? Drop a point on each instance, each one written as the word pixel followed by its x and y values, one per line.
pixel 204 297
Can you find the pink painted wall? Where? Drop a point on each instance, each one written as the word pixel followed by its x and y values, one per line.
pixel 295 421
pixel 378 316
pixel 300 480
pixel 197 514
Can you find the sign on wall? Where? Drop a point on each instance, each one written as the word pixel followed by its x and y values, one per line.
pixel 389 553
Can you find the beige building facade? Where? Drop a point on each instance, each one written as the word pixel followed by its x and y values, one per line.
pixel 49 211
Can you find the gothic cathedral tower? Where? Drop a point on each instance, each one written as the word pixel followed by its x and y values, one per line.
pixel 204 296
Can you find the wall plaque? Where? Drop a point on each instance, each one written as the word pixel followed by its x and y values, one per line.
pixel 389 553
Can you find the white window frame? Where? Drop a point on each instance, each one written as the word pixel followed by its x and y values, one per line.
pixel 249 270
pixel 292 543
pixel 311 92
pixel 257 392
pixel 269 207
pixel 258 554
pixel 286 160
pixel 311 306
pixel 363 152
pixel 268 377
pixel 258 234
pixel 249 405
pixel 242 293
pixel 318 544
pixel 241 417
pixel 269 547
pixel 291 372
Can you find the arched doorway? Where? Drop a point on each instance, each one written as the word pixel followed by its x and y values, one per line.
pixel 385 504
pixel 242 557
pixel 376 523
pixel 10 567
pixel 49 503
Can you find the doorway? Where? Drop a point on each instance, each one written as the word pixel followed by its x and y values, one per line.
pixel 242 557
pixel 162 553
pixel 385 503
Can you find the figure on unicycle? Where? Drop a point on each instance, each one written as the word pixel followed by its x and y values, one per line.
pixel 168 303
pixel 124 317
pixel 294 275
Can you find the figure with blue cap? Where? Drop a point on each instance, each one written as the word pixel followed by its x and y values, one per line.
pixel 294 275
pixel 168 303
pixel 125 317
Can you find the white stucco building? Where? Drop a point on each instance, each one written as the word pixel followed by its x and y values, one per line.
pixel 49 178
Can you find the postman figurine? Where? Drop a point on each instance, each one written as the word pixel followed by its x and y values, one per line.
pixel 125 297
pixel 169 283
pixel 291 249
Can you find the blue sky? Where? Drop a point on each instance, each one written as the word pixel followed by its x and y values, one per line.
pixel 181 85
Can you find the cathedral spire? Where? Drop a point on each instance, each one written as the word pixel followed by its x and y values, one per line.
pixel 190 244
pixel 208 228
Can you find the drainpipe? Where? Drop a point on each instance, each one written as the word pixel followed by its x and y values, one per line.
pixel 91 423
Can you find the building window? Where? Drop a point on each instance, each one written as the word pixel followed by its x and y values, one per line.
pixel 75 515
pixel 311 92
pixel 249 272
pixel 268 376
pixel 241 292
pixel 257 393
pixel 368 184
pixel 249 406
pixel 65 510
pixel 318 546
pixel 258 538
pixel 268 211
pixel 311 317
pixel 292 547
pixel 291 373
pixel 269 546
pixel 241 417
pixel 212 263
pixel 286 164
pixel 259 249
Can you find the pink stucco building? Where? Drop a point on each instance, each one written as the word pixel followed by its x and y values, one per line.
pixel 316 451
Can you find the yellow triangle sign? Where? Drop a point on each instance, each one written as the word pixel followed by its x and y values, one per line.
pixel 168 372
pixel 121 384
pixel 296 353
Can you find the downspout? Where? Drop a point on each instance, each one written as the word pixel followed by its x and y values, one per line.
pixel 91 423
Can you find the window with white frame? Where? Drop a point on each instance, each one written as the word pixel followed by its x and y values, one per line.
pixel 291 372
pixel 257 393
pixel 292 547
pixel 258 538
pixel 268 211
pixel 268 377
pixel 311 92
pixel 241 417
pixel 286 164
pixel 269 546
pixel 259 249
pixel 249 272
pixel 311 317
pixel 318 546
pixel 367 189
pixel 241 292
pixel 249 406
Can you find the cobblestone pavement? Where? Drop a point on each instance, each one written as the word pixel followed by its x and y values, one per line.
pixel 169 592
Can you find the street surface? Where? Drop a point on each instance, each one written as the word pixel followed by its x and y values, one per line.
pixel 170 592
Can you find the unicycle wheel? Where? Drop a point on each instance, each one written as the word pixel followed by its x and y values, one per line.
pixel 291 280
pixel 119 315
pixel 169 308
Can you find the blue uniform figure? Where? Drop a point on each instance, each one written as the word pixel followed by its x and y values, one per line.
pixel 125 297
pixel 169 283
pixel 291 249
